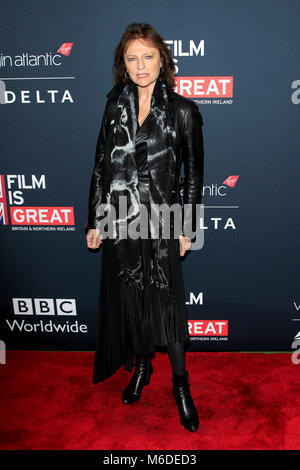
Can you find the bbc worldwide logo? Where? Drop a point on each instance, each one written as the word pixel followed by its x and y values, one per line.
pixel 60 307
pixel 45 316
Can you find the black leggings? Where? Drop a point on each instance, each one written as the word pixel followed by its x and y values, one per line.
pixel 176 354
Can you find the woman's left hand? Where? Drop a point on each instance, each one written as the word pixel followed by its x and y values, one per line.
pixel 185 244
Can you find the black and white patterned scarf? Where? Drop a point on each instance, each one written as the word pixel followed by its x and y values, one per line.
pixel 124 181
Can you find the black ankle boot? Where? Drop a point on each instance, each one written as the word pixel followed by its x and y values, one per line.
pixel 141 377
pixel 187 410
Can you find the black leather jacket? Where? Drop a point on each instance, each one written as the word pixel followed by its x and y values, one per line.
pixel 189 151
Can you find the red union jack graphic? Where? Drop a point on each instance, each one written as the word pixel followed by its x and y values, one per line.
pixel 231 180
pixel 65 48
pixel 3 206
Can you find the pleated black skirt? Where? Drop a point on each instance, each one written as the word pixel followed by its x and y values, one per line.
pixel 133 321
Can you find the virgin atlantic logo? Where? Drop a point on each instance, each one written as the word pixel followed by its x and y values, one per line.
pixel 231 180
pixel 65 48
pixel 44 59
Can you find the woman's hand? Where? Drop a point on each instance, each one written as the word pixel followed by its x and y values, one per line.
pixel 185 244
pixel 92 239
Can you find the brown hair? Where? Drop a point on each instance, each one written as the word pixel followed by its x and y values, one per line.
pixel 147 32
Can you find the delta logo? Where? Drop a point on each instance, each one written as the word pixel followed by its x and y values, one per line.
pixel 12 200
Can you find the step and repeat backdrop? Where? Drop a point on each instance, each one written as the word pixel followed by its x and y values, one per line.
pixel 239 61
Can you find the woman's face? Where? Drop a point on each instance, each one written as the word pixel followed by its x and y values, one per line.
pixel 142 61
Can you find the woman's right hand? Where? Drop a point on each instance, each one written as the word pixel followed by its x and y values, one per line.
pixel 92 239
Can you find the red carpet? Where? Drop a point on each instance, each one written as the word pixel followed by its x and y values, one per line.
pixel 245 401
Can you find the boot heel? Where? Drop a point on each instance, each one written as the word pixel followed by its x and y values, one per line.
pixel 132 392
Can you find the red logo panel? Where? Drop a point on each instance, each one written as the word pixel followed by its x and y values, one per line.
pixel 231 180
pixel 65 48
pixel 204 87
pixel 42 215
pixel 208 327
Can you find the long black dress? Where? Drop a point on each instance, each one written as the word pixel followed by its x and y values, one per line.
pixel 131 321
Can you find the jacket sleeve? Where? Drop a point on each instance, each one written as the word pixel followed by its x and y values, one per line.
pixel 95 194
pixel 193 162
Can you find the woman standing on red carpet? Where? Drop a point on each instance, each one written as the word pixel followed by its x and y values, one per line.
pixel 147 132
